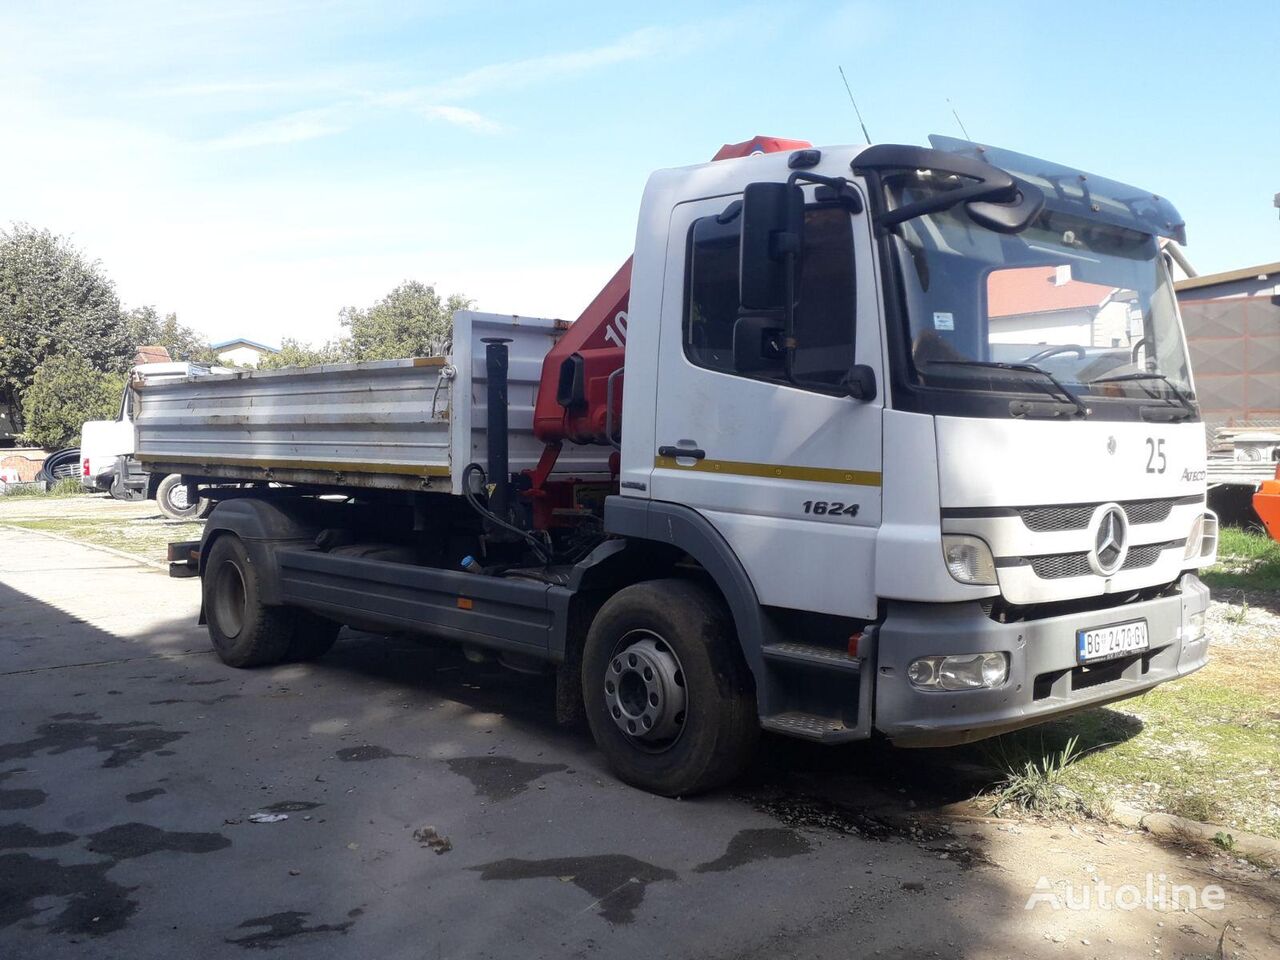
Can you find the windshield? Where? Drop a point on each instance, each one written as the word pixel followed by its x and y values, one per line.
pixel 1091 304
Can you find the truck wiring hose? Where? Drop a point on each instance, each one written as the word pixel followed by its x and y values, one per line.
pixel 538 547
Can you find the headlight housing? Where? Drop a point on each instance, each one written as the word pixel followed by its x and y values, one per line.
pixel 1193 627
pixel 967 671
pixel 968 559
pixel 1202 541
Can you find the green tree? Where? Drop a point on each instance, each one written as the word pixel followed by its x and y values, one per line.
pixel 296 353
pixel 66 391
pixel 54 301
pixel 147 327
pixel 413 320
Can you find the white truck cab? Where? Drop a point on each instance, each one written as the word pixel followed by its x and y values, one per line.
pixel 1017 505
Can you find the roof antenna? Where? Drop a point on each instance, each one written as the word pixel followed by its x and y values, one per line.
pixel 855 105
pixel 958 120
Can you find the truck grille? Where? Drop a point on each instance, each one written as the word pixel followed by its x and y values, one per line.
pixel 1056 566
pixel 1076 516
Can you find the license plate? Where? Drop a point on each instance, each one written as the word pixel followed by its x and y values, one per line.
pixel 1108 643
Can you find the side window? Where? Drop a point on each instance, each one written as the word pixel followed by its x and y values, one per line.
pixel 824 321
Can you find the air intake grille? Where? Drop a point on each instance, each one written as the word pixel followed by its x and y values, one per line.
pixel 1076 516
pixel 1056 566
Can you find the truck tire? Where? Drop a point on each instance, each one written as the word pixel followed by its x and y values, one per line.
pixel 668 696
pixel 245 632
pixel 171 498
pixel 313 636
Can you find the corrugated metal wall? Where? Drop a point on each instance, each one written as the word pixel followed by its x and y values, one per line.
pixel 1235 356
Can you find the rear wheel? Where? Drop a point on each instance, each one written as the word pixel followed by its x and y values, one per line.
pixel 668 695
pixel 313 636
pixel 245 632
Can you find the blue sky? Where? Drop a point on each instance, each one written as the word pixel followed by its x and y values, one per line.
pixel 257 166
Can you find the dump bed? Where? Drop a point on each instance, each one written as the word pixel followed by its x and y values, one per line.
pixel 393 424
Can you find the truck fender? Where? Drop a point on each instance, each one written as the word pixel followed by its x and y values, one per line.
pixel 262 526
pixel 686 530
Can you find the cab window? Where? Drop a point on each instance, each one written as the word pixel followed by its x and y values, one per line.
pixel 824 321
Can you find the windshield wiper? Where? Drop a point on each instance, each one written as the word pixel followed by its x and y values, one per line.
pixel 1021 368
pixel 1183 399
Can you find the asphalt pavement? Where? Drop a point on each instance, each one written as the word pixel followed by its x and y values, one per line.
pixel 418 806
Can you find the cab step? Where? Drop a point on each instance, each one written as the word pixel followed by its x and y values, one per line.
pixel 810 726
pixel 810 656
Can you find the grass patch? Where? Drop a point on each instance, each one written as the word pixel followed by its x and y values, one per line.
pixel 1199 748
pixel 66 487
pixel 1035 784
pixel 1247 560
pixel 147 537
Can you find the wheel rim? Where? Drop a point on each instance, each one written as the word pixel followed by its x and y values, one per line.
pixel 178 497
pixel 229 599
pixel 644 691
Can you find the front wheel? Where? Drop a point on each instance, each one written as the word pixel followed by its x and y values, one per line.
pixel 668 695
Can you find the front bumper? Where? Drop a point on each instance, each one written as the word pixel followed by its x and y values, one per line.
pixel 1044 679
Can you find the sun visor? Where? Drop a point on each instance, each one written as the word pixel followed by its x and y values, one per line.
pixel 1075 192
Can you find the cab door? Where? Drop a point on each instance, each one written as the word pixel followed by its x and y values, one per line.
pixel 789 476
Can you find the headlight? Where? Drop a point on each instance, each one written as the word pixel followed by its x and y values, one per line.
pixel 968 559
pixel 969 671
pixel 1202 541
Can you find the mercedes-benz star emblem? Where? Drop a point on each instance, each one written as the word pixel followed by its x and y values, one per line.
pixel 1111 445
pixel 1110 539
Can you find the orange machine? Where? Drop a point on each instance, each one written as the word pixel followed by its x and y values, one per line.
pixel 1266 502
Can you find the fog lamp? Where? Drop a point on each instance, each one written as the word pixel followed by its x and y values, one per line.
pixel 968 559
pixel 1193 629
pixel 969 671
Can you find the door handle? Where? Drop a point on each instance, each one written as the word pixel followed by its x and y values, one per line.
pixel 697 453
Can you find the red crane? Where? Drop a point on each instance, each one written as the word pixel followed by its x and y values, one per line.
pixel 573 395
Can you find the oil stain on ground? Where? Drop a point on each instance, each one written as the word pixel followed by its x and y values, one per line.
pixel 617 882
pixel 210 702
pixel 291 806
pixel 748 846
pixel 143 795
pixel 94 905
pixel 19 836
pixel 501 778
pixel 19 799
pixel 367 752
pixel 283 926
pixel 128 840
pixel 122 742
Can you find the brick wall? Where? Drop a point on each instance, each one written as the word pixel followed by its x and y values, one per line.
pixel 27 461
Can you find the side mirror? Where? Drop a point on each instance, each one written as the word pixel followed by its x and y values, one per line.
pixel 757 345
pixel 1013 216
pixel 772 234
pixel 860 382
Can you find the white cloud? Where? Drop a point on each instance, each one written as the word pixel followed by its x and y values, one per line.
pixel 290 128
pixel 461 117
pixel 503 77
pixel 252 246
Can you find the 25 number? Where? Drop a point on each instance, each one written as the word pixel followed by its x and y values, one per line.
pixel 1155 451
pixel 831 508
